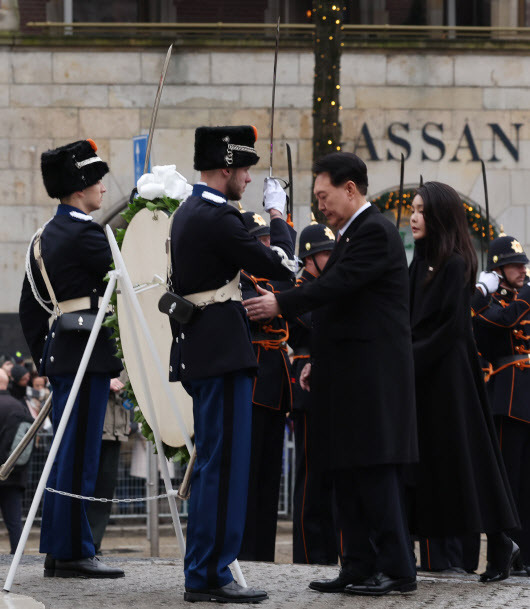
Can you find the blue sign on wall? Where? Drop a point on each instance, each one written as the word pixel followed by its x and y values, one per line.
pixel 139 152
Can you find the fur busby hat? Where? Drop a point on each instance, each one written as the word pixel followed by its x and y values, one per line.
pixel 315 238
pixel 220 147
pixel 505 250
pixel 255 224
pixel 70 168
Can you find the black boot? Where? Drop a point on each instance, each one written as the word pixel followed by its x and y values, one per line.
pixel 502 554
pixel 49 566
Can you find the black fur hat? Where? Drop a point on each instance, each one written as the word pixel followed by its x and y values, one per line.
pixel 70 168
pixel 219 147
pixel 255 224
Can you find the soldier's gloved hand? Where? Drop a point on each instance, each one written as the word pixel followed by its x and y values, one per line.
pixel 274 196
pixel 488 281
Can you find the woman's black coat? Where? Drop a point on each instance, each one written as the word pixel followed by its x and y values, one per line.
pixel 461 484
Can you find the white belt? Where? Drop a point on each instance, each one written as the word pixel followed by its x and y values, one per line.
pixel 229 291
pixel 79 304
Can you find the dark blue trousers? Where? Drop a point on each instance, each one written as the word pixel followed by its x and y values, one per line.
pixel 222 411
pixel 65 532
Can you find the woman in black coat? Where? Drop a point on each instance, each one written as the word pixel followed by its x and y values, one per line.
pixel 461 485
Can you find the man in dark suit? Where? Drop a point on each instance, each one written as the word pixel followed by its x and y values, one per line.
pixel 362 377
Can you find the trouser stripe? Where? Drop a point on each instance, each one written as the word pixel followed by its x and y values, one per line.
pixel 224 479
pixel 78 465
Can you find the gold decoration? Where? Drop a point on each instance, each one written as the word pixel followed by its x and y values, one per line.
pixel 313 219
pixel 517 247
pixel 502 233
pixel 259 220
pixel 240 207
pixel 308 246
pixel 329 233
pixel 495 258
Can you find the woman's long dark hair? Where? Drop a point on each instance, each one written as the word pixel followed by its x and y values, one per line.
pixel 446 229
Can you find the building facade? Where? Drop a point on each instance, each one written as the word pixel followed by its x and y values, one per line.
pixel 445 104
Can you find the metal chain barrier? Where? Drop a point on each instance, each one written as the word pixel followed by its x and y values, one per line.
pixel 173 493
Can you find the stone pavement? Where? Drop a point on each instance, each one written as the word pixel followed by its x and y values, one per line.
pixel 159 583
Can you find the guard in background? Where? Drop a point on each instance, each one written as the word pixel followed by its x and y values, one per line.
pixel 314 535
pixel 212 353
pixel 65 270
pixel 502 332
pixel 271 401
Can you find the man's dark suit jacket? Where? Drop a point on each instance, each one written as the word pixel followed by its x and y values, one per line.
pixel 362 378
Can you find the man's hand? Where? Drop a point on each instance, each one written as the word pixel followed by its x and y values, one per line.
pixel 274 196
pixel 305 378
pixel 489 281
pixel 116 385
pixel 262 307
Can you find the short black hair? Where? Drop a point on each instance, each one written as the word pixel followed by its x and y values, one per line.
pixel 343 167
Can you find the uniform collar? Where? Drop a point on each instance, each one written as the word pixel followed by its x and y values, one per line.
pixel 307 276
pixel 211 195
pixel 74 212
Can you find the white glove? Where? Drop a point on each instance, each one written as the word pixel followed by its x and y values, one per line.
pixel 274 196
pixel 489 281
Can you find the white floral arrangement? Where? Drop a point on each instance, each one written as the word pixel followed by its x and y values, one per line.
pixel 164 181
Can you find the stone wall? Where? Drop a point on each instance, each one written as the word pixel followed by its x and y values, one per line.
pixel 50 96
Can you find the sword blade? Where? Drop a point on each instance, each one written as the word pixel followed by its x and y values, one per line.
pixel 155 108
pixel 274 91
pixel 486 201
pixel 11 461
pixel 401 182
pixel 291 189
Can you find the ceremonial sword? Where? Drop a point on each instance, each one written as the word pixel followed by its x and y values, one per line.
pixel 274 91
pixel 486 199
pixel 155 107
pixel 11 461
pixel 400 203
pixel 290 198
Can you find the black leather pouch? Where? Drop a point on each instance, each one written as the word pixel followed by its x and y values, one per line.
pixel 177 307
pixel 77 321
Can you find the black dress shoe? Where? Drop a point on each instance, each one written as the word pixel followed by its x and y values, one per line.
pixel 230 593
pixel 338 584
pixel 519 569
pixel 496 574
pixel 86 567
pixel 380 584
pixel 49 566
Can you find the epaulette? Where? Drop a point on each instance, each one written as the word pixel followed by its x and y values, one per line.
pixel 213 198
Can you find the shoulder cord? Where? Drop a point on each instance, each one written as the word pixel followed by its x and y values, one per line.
pixel 29 273
pixel 169 286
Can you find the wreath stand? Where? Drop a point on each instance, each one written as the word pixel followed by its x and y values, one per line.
pixel 133 311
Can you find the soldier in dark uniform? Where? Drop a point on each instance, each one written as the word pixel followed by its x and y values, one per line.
pixel 314 537
pixel 271 400
pixel 212 353
pixel 74 259
pixel 502 332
